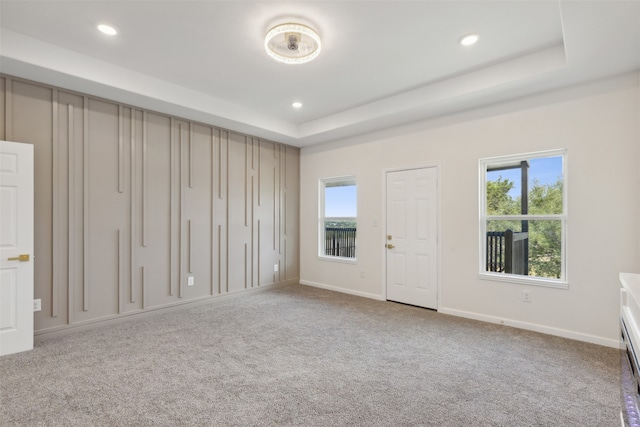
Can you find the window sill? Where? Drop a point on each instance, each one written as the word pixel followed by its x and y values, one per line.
pixel 338 259
pixel 525 280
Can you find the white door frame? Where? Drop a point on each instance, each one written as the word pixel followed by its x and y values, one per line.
pixel 18 336
pixel 383 228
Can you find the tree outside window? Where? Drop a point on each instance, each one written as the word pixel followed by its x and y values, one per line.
pixel 523 217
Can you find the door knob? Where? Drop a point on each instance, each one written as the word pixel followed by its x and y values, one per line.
pixel 21 258
pixel 389 246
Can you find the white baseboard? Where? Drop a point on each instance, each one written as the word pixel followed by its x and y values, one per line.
pixel 564 333
pixel 343 290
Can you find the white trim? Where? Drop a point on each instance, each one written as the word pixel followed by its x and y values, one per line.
pixel 341 259
pixel 524 280
pixel 383 225
pixel 342 290
pixel 322 185
pixel 564 333
pixel 563 282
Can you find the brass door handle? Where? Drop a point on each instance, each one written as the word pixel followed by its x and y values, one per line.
pixel 389 246
pixel 21 258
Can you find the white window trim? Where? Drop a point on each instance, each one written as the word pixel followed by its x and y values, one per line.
pixel 563 282
pixel 322 183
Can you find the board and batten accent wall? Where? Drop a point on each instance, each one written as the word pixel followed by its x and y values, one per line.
pixel 130 203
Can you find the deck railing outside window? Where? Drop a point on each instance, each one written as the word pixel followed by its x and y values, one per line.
pixel 507 252
pixel 340 241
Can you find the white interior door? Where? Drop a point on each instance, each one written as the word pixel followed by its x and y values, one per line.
pixel 412 276
pixel 16 247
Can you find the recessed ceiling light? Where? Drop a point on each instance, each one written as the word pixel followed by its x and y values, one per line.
pixel 107 29
pixel 292 43
pixel 297 105
pixel 469 40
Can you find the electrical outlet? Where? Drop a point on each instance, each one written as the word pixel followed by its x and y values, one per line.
pixel 526 296
pixel 190 281
pixel 37 305
pixel 275 268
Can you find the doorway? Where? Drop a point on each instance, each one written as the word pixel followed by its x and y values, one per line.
pixel 412 236
pixel 16 247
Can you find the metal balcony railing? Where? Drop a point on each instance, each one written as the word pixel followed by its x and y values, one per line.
pixel 340 242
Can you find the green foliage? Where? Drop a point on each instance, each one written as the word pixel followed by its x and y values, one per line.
pixel 340 223
pixel 544 235
pixel 499 202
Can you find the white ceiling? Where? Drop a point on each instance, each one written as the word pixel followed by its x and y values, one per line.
pixel 383 63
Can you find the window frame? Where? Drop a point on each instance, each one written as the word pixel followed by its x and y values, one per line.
pixel 322 185
pixel 483 165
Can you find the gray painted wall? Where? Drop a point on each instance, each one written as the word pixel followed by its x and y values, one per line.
pixel 130 203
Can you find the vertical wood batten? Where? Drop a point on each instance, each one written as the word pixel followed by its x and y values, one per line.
pixel 181 167
pixel 220 166
pixel 119 244
pixel 253 237
pixel 282 212
pixel 189 247
pixel 120 149
pixel 145 196
pixel 246 180
pixel 246 259
pixel 276 190
pixel 132 211
pixel 259 172
pixel 227 212
pixel 85 230
pixel 220 259
pixel 172 208
pixel 211 211
pixel 8 109
pixel 191 149
pixel 57 249
pixel 71 220
pixel 144 288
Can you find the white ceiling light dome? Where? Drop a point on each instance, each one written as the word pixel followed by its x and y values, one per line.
pixel 292 43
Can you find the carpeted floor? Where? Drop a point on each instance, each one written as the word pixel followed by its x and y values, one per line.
pixel 303 356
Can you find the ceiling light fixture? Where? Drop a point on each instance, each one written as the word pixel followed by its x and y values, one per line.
pixel 292 43
pixel 469 40
pixel 297 105
pixel 107 29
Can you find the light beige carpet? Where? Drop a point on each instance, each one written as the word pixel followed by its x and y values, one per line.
pixel 303 356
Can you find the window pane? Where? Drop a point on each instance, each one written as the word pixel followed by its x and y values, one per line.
pixel 545 186
pixel 541 179
pixel 338 224
pixel 502 197
pixel 529 247
pixel 340 202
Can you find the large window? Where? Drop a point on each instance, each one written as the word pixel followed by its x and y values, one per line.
pixel 337 225
pixel 523 218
